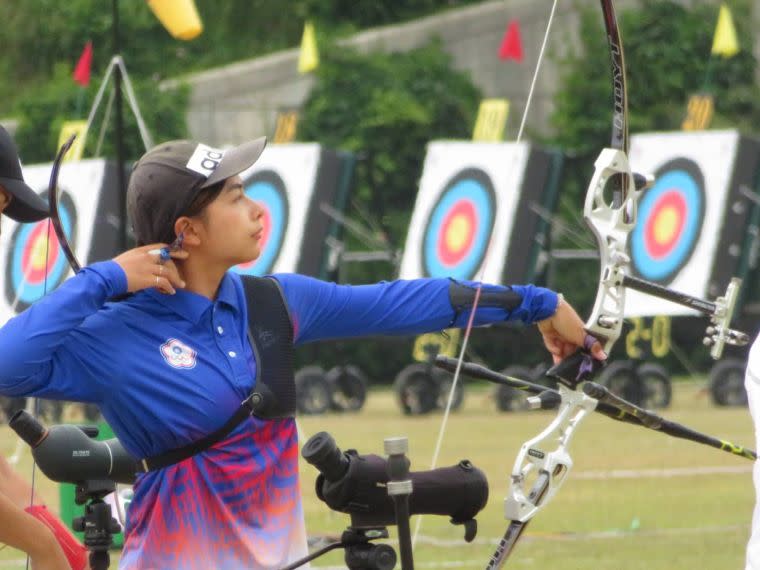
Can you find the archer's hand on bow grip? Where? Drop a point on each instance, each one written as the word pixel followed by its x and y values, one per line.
pixel 578 367
pixel 564 334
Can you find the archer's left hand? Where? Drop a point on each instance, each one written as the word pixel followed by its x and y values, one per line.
pixel 564 333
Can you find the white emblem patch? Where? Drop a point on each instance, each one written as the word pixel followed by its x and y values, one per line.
pixel 205 159
pixel 177 354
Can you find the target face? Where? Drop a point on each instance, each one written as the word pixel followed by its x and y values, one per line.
pixel 459 228
pixel 35 265
pixel 669 221
pixel 268 190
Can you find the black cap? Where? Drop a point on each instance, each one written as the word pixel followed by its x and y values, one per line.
pixel 26 205
pixel 167 178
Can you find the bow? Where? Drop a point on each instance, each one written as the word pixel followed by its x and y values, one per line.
pixel 543 462
pixel 55 216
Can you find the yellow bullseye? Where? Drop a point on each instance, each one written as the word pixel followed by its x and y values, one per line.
pixel 39 253
pixel 666 225
pixel 457 233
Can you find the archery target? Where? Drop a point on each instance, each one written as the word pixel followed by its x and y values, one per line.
pixel 460 225
pixel 268 190
pixel 466 210
pixel 679 220
pixel 23 246
pixel 669 221
pixel 36 261
pixel 290 181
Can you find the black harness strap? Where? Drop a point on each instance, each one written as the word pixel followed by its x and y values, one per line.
pixel 270 332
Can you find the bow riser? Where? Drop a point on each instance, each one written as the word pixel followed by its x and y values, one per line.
pixel 611 227
pixel 550 467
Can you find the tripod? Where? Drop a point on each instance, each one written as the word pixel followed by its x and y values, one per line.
pixel 97 523
pixel 360 553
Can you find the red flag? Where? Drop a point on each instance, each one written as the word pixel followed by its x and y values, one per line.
pixel 82 70
pixel 511 45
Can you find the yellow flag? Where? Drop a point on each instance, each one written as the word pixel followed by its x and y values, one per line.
pixel 179 17
pixel 725 42
pixel 309 58
pixel 78 128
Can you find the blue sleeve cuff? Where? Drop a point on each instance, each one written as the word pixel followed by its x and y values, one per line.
pixel 112 275
pixel 538 303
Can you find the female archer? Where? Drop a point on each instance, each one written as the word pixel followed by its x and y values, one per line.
pixel 193 370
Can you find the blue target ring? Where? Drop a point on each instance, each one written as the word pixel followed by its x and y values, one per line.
pixel 268 189
pixel 456 238
pixel 32 269
pixel 669 222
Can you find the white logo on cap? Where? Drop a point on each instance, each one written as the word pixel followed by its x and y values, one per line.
pixel 205 159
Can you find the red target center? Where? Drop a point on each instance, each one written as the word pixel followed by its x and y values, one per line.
pixel 457 233
pixel 665 224
pixel 35 254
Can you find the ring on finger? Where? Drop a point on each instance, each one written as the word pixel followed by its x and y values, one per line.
pixel 157 280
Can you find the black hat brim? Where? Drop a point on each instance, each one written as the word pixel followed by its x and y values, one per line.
pixel 236 161
pixel 26 205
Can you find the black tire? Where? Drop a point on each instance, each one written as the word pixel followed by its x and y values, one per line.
pixel 658 390
pixel 312 391
pixel 727 383
pixel 510 399
pixel 416 389
pixel 617 378
pixel 348 388
pixel 647 385
pixel 444 380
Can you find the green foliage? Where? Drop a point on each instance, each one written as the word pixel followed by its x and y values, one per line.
pixel 367 13
pixel 386 107
pixel 60 99
pixel 667 49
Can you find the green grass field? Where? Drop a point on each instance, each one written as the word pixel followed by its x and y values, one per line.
pixel 635 499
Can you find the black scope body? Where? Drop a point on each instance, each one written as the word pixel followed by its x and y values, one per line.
pixel 68 454
pixel 356 484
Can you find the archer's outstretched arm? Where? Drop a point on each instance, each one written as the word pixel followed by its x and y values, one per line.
pixel 322 310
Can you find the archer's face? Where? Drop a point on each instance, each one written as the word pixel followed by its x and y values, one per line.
pixel 233 225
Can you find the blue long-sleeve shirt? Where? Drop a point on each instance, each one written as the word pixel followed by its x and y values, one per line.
pixel 166 370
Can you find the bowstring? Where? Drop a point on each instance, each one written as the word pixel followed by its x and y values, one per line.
pixel 471 319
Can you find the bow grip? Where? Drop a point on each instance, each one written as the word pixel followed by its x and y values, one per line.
pixel 576 368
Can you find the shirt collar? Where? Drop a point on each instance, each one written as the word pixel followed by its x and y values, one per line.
pixel 191 306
